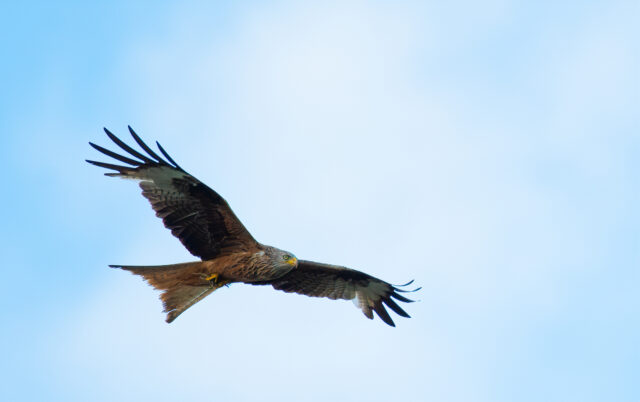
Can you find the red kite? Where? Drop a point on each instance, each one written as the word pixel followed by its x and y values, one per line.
pixel 208 228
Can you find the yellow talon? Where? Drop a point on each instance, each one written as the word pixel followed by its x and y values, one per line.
pixel 212 277
pixel 213 280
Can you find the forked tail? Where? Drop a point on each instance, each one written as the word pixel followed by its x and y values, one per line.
pixel 182 285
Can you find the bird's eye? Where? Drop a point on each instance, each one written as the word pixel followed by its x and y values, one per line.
pixel 286 257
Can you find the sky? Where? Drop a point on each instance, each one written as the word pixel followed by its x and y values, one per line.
pixel 488 150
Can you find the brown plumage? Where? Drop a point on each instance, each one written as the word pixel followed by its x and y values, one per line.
pixel 205 224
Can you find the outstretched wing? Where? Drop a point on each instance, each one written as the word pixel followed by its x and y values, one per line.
pixel 335 282
pixel 195 214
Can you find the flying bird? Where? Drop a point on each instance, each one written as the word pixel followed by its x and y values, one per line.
pixel 205 224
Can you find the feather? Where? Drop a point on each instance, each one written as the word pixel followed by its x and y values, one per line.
pixel 146 148
pixel 115 155
pixel 382 313
pixel 108 165
pixel 167 156
pixel 127 148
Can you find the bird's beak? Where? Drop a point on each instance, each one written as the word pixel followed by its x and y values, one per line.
pixel 293 261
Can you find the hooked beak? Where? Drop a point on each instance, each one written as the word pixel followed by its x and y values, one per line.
pixel 292 261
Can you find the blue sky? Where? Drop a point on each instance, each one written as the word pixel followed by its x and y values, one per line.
pixel 487 150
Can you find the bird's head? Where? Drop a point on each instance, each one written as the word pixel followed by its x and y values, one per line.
pixel 283 259
pixel 289 259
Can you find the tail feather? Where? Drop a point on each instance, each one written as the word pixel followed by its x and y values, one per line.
pixel 176 301
pixel 182 285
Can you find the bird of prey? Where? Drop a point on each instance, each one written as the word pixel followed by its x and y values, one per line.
pixel 208 228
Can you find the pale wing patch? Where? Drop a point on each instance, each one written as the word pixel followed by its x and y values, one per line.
pixel 366 297
pixel 161 175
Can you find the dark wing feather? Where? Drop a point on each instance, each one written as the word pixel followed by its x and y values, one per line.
pixel 195 214
pixel 335 282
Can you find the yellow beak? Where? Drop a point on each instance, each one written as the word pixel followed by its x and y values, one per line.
pixel 292 261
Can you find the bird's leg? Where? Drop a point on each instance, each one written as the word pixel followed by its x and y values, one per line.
pixel 213 280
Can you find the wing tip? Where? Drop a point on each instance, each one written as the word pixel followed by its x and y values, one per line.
pixel 378 307
pixel 397 287
pixel 387 300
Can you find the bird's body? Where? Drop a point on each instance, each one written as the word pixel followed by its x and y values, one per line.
pixel 179 282
pixel 208 228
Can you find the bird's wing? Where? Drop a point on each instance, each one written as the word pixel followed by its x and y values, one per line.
pixel 335 282
pixel 195 214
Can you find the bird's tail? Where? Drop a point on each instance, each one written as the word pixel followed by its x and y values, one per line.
pixel 182 285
